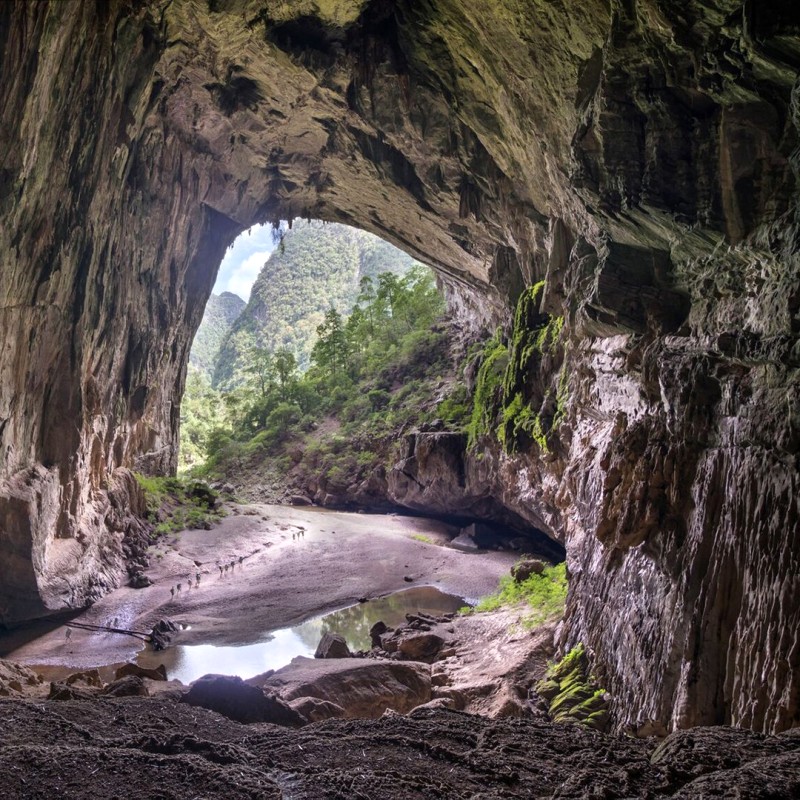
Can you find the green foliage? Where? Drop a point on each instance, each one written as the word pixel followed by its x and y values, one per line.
pixel 202 413
pixel 175 504
pixel 318 267
pixel 221 312
pixel 155 490
pixel 454 410
pixel 370 374
pixel 572 692
pixel 545 593
pixel 421 537
pixel 333 347
pixel 493 365
pixel 502 397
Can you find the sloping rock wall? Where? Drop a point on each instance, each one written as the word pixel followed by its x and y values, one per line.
pixel 640 157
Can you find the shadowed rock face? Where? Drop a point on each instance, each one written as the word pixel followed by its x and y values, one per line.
pixel 641 161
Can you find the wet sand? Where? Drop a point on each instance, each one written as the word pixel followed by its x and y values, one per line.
pixel 296 563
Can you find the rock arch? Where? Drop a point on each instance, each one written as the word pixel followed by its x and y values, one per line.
pixel 639 158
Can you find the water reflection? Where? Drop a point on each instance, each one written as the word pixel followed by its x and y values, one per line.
pixel 187 663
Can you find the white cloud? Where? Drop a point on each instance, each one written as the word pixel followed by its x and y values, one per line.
pixel 243 261
pixel 240 278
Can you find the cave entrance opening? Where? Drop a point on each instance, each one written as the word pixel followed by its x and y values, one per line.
pixel 315 332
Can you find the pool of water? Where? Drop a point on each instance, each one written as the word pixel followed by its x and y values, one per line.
pixel 187 663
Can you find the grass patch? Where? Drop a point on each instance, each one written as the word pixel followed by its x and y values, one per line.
pixel 545 594
pixel 421 537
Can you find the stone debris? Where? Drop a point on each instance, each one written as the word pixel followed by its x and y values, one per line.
pixel 363 687
pixel 332 646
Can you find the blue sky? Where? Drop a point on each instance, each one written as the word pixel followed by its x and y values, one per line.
pixel 244 260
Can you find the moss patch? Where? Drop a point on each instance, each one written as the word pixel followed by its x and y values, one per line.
pixel 571 692
pixel 488 388
pixel 504 401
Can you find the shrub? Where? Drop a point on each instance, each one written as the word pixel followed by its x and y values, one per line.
pixel 178 504
pixel 378 398
pixel 545 593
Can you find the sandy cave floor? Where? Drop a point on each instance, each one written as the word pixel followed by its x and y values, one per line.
pixel 339 558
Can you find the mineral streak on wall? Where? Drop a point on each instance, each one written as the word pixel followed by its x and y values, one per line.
pixel 640 157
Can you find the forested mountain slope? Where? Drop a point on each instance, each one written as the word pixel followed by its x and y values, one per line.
pixel 221 312
pixel 317 266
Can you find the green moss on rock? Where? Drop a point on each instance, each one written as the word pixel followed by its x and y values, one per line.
pixel 503 402
pixel 494 362
pixel 571 692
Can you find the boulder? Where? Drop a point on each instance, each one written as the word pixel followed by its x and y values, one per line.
pixel 127 686
pixel 332 646
pixel 162 633
pixel 420 647
pixel 476 536
pixel 464 542
pixel 456 696
pixel 362 687
pixel 89 677
pixel 438 704
pixel 14 678
pixel 376 631
pixel 233 698
pixel 300 500
pixel 316 710
pixel 139 581
pixel 63 691
pixel 441 679
pixel 157 674
pixel 524 569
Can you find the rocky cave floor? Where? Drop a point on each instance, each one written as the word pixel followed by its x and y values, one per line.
pixel 81 743
pixel 158 748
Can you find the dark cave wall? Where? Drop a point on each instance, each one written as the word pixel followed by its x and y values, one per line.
pixel 641 159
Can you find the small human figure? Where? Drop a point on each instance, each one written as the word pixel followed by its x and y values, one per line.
pixel 172 592
pixel 233 564
pixel 179 586
pixel 226 568
pixel 197 579
pixel 115 622
pixel 68 633
pixel 292 537
pixel 220 569
pixel 241 558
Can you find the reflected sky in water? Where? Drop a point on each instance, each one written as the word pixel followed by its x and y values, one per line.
pixel 187 663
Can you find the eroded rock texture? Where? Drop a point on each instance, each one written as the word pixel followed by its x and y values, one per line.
pixel 640 157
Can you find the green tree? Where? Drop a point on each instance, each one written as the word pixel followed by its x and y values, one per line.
pixel 286 369
pixel 331 349
pixel 260 366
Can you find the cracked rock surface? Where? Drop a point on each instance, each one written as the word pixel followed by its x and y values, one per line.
pixel 171 750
